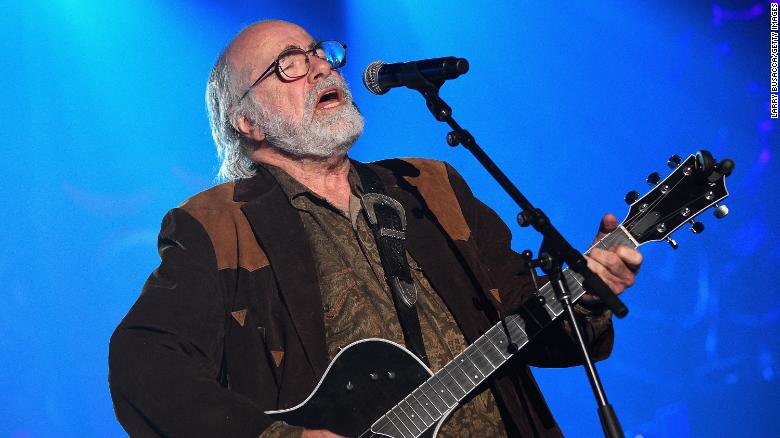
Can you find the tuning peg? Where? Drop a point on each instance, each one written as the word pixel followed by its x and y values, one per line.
pixel 696 227
pixel 673 161
pixel 631 197
pixel 726 166
pixel 721 211
pixel 705 164
pixel 672 242
pixel 653 178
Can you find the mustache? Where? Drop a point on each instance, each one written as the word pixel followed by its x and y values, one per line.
pixel 330 81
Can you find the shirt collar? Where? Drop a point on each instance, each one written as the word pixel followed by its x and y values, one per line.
pixel 294 189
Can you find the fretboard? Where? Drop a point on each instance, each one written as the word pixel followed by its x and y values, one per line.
pixel 444 390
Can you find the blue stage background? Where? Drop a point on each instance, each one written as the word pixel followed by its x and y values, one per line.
pixel 104 129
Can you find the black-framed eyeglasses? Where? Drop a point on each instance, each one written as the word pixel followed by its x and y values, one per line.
pixel 293 62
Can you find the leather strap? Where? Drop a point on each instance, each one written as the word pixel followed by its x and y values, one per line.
pixel 387 219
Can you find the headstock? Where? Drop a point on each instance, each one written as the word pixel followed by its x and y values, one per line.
pixel 696 184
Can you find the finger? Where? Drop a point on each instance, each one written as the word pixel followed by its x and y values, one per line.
pixel 607 225
pixel 614 265
pixel 630 256
pixel 612 262
pixel 614 283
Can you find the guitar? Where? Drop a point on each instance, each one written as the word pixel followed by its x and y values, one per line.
pixel 375 387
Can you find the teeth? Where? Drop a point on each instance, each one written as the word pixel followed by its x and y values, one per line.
pixel 331 105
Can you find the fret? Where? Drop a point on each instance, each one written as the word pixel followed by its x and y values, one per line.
pixel 446 393
pixel 497 339
pixel 618 237
pixel 460 376
pixel 385 426
pixel 430 410
pixel 518 332
pixel 455 380
pixel 519 326
pixel 469 368
pixel 430 394
pixel 489 350
pixel 410 412
pixel 403 430
pixel 408 423
pixel 480 359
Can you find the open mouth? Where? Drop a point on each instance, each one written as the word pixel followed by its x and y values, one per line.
pixel 330 98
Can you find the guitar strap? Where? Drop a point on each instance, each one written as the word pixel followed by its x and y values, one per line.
pixel 387 219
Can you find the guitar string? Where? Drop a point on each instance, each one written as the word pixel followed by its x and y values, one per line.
pixel 490 333
pixel 393 409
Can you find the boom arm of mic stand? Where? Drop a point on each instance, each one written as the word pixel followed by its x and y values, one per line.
pixel 535 217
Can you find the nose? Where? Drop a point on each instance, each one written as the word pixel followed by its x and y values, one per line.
pixel 319 69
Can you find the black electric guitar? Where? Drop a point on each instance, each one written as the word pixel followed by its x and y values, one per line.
pixel 376 388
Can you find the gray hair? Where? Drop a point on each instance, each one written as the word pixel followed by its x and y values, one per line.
pixel 224 109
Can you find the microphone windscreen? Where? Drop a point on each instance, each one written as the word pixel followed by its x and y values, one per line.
pixel 371 77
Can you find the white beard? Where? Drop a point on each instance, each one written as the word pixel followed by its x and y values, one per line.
pixel 325 136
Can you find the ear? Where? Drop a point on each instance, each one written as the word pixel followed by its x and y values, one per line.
pixel 249 129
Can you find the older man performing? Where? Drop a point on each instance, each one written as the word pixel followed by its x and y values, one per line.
pixel 265 277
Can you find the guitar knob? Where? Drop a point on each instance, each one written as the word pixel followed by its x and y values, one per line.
pixel 696 227
pixel 631 197
pixel 721 211
pixel 672 242
pixel 653 178
pixel 674 161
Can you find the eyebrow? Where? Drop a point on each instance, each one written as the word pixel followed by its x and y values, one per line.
pixel 289 47
pixel 312 45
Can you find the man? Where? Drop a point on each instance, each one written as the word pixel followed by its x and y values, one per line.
pixel 265 277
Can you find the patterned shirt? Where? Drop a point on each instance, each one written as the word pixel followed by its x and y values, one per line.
pixel 358 303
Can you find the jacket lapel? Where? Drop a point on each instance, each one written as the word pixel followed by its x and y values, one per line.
pixel 434 252
pixel 279 230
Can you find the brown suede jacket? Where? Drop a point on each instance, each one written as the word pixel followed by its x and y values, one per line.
pixel 231 323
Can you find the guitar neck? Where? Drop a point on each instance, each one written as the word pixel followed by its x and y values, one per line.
pixel 443 391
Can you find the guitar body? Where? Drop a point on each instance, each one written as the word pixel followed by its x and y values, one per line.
pixel 365 380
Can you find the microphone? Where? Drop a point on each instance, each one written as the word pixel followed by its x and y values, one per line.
pixel 379 77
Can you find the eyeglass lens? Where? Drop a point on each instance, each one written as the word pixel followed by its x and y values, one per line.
pixel 295 63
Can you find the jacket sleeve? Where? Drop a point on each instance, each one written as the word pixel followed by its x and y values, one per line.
pixel 165 356
pixel 554 346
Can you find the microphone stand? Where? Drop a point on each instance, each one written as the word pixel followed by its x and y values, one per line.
pixel 556 250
